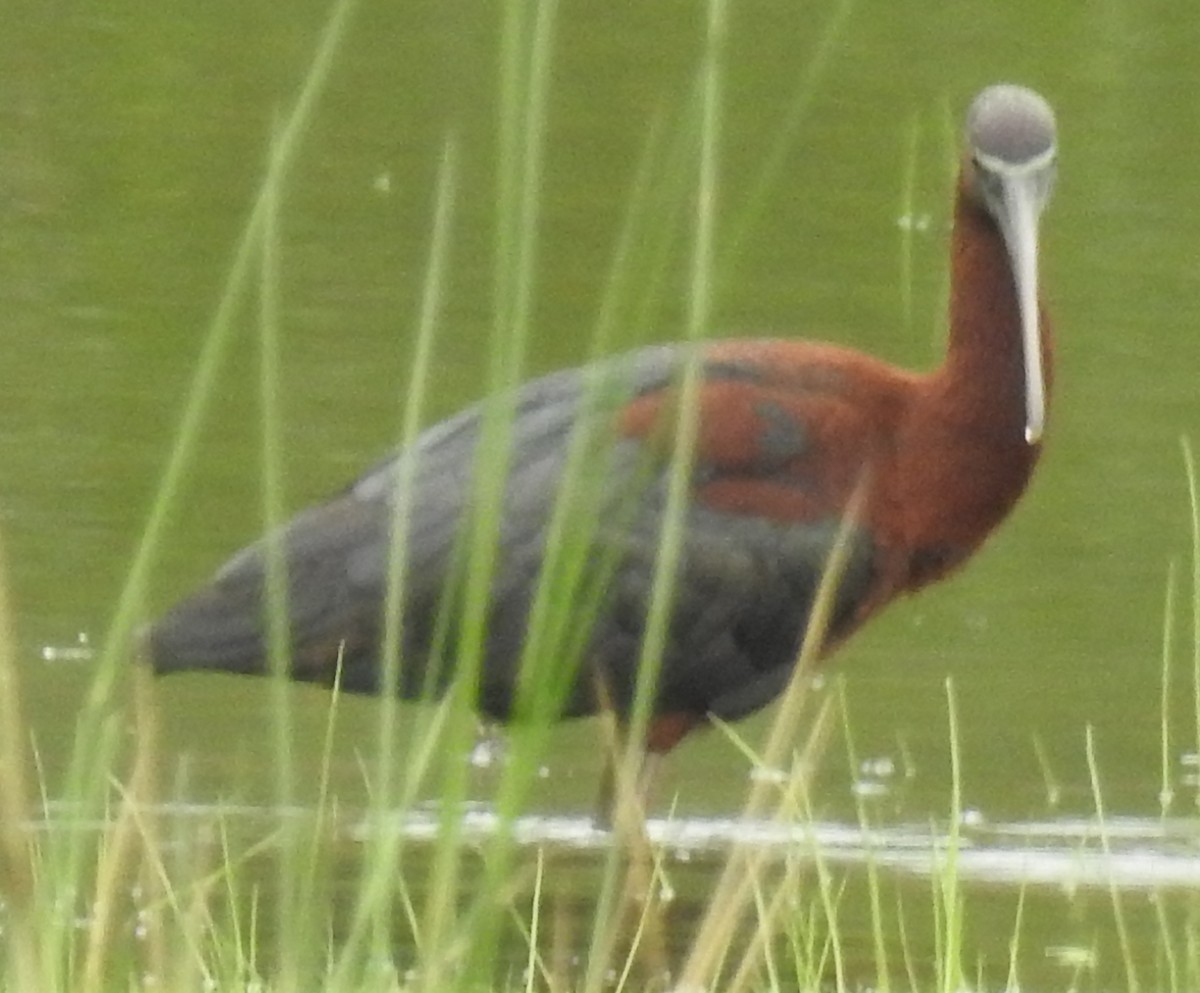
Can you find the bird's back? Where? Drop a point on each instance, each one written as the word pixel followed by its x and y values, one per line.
pixel 743 590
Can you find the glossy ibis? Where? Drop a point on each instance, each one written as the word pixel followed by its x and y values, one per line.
pixel 786 429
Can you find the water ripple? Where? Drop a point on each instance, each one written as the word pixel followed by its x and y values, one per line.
pixel 1134 853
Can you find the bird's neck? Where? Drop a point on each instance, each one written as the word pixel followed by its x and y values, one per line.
pixel 983 377
pixel 966 459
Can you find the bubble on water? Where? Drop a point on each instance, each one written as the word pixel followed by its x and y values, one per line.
pixel 914 222
pixel 869 788
pixel 1072 956
pixel 488 751
pixel 971 817
pixel 880 767
pixel 80 651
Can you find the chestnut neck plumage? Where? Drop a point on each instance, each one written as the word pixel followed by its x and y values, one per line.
pixel 983 377
pixel 965 459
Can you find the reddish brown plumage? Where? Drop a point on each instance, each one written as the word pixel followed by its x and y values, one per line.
pixel 944 453
pixel 787 431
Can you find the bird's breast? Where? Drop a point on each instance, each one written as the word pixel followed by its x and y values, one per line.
pixel 949 493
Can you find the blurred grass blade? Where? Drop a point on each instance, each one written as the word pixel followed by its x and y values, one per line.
pixel 1124 939
pixel 372 911
pixel 687 408
pixel 1193 488
pixel 734 887
pixel 775 162
pixel 87 776
pixel 526 46
pixel 17 882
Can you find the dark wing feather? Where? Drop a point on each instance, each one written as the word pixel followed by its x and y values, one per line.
pixel 744 593
pixel 337 553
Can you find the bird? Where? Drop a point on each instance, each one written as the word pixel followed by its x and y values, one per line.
pixel 787 430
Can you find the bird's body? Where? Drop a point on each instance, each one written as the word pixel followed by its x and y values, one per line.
pixel 787 430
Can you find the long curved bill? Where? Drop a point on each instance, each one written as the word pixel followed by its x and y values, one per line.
pixel 1019 226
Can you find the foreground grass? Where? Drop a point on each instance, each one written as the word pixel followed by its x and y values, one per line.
pixel 167 897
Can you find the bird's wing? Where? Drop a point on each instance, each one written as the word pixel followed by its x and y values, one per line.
pixel 756 540
pixel 766 504
pixel 224 624
pixel 336 555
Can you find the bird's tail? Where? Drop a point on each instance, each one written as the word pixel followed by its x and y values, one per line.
pixel 209 630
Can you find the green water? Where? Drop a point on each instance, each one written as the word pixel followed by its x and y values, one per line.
pixel 131 144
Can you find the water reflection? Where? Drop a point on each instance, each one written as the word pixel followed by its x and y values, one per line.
pixel 1059 880
pixel 1069 853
